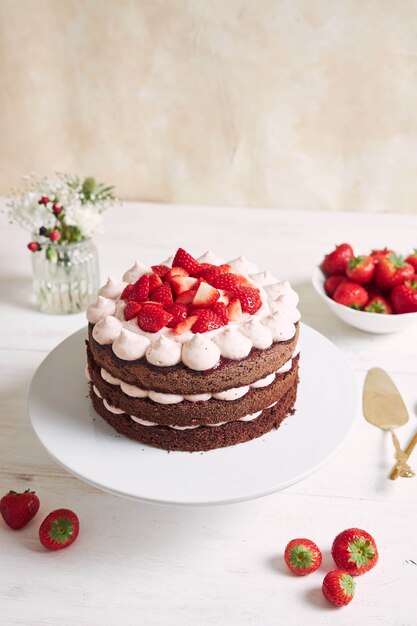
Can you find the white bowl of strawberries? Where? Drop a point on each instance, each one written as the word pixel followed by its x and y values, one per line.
pixel 376 293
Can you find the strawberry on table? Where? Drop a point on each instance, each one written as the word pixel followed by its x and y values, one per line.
pixel 351 294
pixel 17 509
pixel 355 551
pixel 361 269
pixel 59 529
pixel 302 556
pixel 336 262
pixel 332 283
pixel 392 270
pixel 412 259
pixel 404 297
pixel 338 587
pixel 379 304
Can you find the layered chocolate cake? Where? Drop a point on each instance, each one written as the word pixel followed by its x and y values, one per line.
pixel 194 354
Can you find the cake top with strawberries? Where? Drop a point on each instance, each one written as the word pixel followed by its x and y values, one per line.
pixel 193 311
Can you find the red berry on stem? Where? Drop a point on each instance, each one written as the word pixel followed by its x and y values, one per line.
pixel 56 209
pixel 44 200
pixel 55 235
pixel 34 246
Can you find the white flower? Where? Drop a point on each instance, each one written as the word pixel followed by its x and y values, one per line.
pixel 88 220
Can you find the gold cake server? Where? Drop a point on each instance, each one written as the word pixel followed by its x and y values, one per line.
pixel 384 407
pixel 411 445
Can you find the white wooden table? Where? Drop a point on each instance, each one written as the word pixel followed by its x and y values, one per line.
pixel 136 563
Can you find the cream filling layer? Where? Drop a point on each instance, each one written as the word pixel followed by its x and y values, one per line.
pixel 139 420
pixel 173 398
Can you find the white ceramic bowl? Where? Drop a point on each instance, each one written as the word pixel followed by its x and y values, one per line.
pixel 369 322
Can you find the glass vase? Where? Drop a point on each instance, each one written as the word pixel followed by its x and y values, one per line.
pixel 66 276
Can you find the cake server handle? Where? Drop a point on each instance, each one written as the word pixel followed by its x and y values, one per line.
pixel 411 445
pixel 404 470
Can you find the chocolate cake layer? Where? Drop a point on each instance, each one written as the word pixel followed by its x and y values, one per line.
pixel 180 379
pixel 204 437
pixel 194 413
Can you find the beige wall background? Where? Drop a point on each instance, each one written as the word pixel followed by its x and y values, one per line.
pixel 281 103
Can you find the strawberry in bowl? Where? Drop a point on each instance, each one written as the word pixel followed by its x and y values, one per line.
pixel 374 292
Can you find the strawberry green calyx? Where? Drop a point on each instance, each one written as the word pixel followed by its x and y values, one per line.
pixel 301 557
pixel 397 261
pixel 347 584
pixel 376 307
pixel 361 551
pixel 357 261
pixel 62 530
pixel 412 284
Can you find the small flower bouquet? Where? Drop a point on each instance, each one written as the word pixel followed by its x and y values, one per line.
pixel 62 214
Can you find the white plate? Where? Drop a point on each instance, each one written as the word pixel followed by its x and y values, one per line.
pixel 87 446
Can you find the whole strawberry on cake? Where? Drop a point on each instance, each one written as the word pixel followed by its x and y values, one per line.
pixel 194 354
